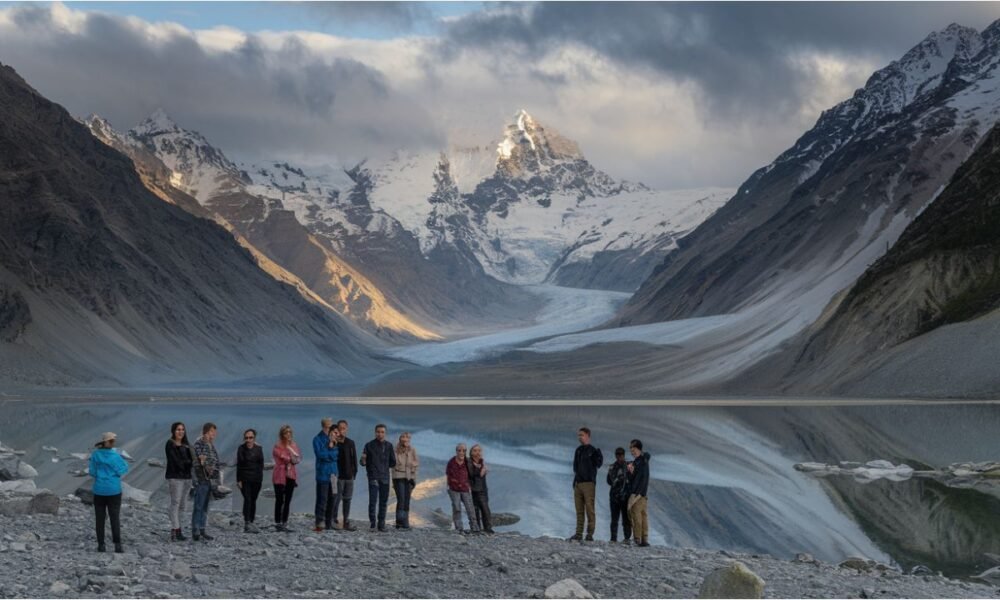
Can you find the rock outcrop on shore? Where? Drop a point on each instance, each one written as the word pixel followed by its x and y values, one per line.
pixel 45 555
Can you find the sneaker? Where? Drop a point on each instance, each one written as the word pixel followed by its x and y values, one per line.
pixel 626 542
pixel 643 544
pixel 575 538
pixel 382 528
pixel 349 527
pixel 119 549
pixel 206 537
pixel 489 531
pixel 589 538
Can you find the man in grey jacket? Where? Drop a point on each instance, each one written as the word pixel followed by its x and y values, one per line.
pixel 378 458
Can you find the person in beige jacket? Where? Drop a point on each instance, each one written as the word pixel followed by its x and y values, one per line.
pixel 404 479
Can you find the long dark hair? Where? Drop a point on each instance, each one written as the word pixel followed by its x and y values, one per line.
pixel 173 429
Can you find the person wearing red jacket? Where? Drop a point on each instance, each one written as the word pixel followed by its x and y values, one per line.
pixel 285 477
pixel 459 490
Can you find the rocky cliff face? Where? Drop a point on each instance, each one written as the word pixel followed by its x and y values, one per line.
pixel 105 283
pixel 803 228
pixel 944 269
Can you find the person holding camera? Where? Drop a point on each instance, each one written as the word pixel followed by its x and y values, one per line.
pixel 286 455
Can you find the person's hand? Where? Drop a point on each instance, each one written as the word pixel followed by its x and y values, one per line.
pixel 483 470
pixel 631 468
pixel 240 484
pixel 412 482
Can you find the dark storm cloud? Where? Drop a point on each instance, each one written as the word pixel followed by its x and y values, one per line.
pixel 394 16
pixel 736 54
pixel 251 100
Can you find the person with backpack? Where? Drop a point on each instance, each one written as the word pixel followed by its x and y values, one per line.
pixel 107 467
pixel 618 493
pixel 285 477
pixel 638 487
pixel 378 458
pixel 179 463
pixel 206 473
pixel 250 477
pixel 586 461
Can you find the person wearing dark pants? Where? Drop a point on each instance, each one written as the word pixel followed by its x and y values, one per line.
pixel 378 458
pixel 206 471
pixel 326 452
pixel 250 477
pixel 107 468
pixel 618 496
pixel 480 493
pixel 347 470
pixel 459 490
pixel 586 461
pixel 404 478
pixel 285 477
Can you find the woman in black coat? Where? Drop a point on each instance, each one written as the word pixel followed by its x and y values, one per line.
pixel 179 463
pixel 249 477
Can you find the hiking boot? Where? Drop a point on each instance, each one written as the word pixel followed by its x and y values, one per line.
pixel 349 527
pixel 589 538
pixel 101 548
pixel 180 536
pixel 577 537
pixel 119 549
pixel 194 535
pixel 643 544
pixel 206 537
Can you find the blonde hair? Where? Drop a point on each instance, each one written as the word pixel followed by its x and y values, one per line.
pixel 281 433
pixel 405 434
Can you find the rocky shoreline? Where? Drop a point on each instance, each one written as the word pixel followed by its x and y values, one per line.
pixel 53 555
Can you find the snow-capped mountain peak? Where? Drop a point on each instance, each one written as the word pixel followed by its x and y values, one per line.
pixel 158 122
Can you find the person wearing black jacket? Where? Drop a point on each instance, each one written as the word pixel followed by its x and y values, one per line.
pixel 250 477
pixel 586 462
pixel 179 462
pixel 480 492
pixel 618 496
pixel 638 487
pixel 347 467
pixel 378 458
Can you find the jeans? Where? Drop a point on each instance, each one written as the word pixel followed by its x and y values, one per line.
pixel 484 517
pixel 457 500
pixel 108 506
pixel 403 490
pixel 199 513
pixel 283 500
pixel 250 491
pixel 178 498
pixel 345 491
pixel 378 491
pixel 583 497
pixel 619 508
pixel 326 498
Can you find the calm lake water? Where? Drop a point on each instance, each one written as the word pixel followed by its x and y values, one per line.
pixel 722 471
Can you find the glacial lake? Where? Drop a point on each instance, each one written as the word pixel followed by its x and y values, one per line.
pixel 722 470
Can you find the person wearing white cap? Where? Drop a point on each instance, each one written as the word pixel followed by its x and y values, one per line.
pixel 107 468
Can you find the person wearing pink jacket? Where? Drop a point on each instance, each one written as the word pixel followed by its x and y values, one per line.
pixel 286 455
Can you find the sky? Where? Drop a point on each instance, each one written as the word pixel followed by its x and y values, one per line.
pixel 675 95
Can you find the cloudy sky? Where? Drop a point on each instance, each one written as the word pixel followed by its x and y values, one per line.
pixel 676 95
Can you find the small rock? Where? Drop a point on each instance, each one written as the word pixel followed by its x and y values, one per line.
pixel 804 557
pixel 180 570
pixel 18 547
pixel 867 593
pixel 202 579
pixel 58 588
pixel 567 588
pixel 991 575
pixel 733 581
pixel 85 495
pixel 44 503
pixel 921 570
pixel 856 563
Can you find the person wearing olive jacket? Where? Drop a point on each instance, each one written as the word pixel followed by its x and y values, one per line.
pixel 250 477
pixel 107 468
pixel 586 461
pixel 404 479
pixel 378 458
pixel 179 464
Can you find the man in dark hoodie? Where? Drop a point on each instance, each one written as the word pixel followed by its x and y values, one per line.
pixel 638 486
pixel 347 465
pixel 618 494
pixel 586 461
pixel 378 458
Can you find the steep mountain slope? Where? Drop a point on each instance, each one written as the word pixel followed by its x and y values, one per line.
pixel 944 269
pixel 104 283
pixel 806 226
pixel 531 208
pixel 357 257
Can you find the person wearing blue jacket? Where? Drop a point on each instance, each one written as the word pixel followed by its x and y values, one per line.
pixel 327 453
pixel 107 468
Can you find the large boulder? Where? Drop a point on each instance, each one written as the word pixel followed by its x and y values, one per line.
pixel 735 580
pixel 12 467
pixel 567 588
pixel 44 502
pixel 85 494
pixel 19 486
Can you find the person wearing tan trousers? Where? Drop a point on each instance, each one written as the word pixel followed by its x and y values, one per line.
pixel 638 487
pixel 586 461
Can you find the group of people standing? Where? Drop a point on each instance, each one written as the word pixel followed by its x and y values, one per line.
pixel 628 484
pixel 195 471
